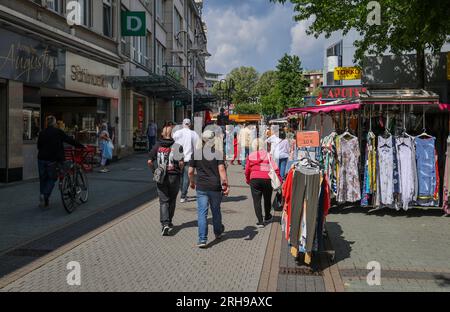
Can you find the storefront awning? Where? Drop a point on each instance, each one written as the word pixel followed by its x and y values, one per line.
pixel 327 108
pixel 160 86
pixel 168 88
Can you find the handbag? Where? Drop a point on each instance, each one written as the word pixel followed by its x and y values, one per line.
pixel 276 183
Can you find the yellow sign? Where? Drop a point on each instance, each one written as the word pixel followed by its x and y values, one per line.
pixel 448 66
pixel 347 73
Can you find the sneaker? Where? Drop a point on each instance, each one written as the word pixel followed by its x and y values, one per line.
pixel 170 225
pixel 104 171
pixel 219 236
pixel 183 200
pixel 165 230
pixel 41 201
pixel 201 245
pixel 260 225
pixel 268 218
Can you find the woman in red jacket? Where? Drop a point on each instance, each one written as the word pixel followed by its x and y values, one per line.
pixel 257 168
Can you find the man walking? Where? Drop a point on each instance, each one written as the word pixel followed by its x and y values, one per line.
pixel 152 129
pixel 188 139
pixel 244 143
pixel 211 184
pixel 51 153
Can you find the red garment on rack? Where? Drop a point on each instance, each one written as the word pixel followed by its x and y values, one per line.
pixel 287 196
pixel 327 196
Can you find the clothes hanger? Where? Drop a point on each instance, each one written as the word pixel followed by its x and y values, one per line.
pixel 370 134
pixel 424 134
pixel 386 133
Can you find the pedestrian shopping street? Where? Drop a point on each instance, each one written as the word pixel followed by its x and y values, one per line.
pixel 116 239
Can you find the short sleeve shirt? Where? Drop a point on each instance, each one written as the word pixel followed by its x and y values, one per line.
pixel 208 177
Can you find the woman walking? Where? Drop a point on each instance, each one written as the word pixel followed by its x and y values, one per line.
pixel 105 148
pixel 169 155
pixel 211 183
pixel 281 154
pixel 257 170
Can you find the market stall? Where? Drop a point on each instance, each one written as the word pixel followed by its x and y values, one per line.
pixel 384 148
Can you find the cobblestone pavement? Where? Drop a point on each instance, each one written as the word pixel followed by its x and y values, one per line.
pixel 132 255
pixel 412 248
pixel 21 220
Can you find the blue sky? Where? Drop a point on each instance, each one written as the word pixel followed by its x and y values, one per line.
pixel 256 33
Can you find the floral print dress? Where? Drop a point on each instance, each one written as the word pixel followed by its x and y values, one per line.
pixel 349 189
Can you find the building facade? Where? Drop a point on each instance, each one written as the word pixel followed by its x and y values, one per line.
pixel 315 78
pixel 88 73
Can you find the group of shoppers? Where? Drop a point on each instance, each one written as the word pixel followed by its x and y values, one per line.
pixel 175 151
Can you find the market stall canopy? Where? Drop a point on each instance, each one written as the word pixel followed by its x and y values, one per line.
pixel 245 118
pixel 376 97
pixel 279 121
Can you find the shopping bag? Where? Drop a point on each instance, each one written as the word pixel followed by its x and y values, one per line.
pixel 108 150
pixel 276 183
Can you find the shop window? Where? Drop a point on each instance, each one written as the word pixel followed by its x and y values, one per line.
pixel 160 52
pixel 107 18
pixel 160 10
pixel 54 5
pixel 31 122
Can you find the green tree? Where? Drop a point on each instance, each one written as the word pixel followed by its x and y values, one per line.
pixel 248 108
pixel 291 84
pixel 266 83
pixel 406 25
pixel 245 82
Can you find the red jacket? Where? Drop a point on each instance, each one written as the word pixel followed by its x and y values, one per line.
pixel 257 166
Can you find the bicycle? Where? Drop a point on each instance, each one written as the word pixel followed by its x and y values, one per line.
pixel 73 183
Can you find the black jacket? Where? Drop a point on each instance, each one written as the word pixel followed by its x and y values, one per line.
pixel 171 151
pixel 51 144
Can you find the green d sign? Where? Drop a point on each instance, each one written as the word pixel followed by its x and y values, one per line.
pixel 133 24
pixel 178 103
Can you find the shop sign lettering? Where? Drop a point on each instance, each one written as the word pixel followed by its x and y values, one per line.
pixel 82 75
pixel 342 93
pixel 24 60
pixel 347 73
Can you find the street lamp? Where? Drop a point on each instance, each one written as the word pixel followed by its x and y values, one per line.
pixel 195 52
pixel 229 87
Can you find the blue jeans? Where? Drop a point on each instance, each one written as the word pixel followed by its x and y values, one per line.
pixel 185 181
pixel 48 175
pixel 151 142
pixel 244 154
pixel 214 199
pixel 282 163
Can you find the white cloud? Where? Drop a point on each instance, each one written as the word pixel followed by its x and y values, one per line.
pixel 239 37
pixel 310 49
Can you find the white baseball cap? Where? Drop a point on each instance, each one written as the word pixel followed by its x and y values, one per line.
pixel 187 122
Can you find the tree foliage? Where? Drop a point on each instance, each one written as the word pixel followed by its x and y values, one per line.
pixel 245 84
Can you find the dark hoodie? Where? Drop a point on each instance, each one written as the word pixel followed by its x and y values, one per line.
pixel 170 152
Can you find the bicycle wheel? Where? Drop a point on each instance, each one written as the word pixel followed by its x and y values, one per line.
pixel 68 193
pixel 82 186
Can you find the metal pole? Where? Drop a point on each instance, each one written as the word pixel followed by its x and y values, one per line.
pixel 192 87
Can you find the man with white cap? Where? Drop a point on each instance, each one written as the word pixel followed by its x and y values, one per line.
pixel 188 139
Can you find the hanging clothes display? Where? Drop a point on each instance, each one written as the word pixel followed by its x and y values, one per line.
pixel 407 170
pixel 348 182
pixel 306 196
pixel 426 171
pixel 370 170
pixel 446 184
pixel 329 161
pixel 386 170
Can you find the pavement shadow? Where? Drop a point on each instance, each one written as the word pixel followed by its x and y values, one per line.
pixel 443 281
pixel 337 243
pixel 30 252
pixel 234 199
pixel 248 233
pixel 411 213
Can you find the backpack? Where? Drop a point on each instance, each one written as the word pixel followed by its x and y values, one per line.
pixel 161 169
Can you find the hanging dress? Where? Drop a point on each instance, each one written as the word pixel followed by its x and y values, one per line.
pixel 349 189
